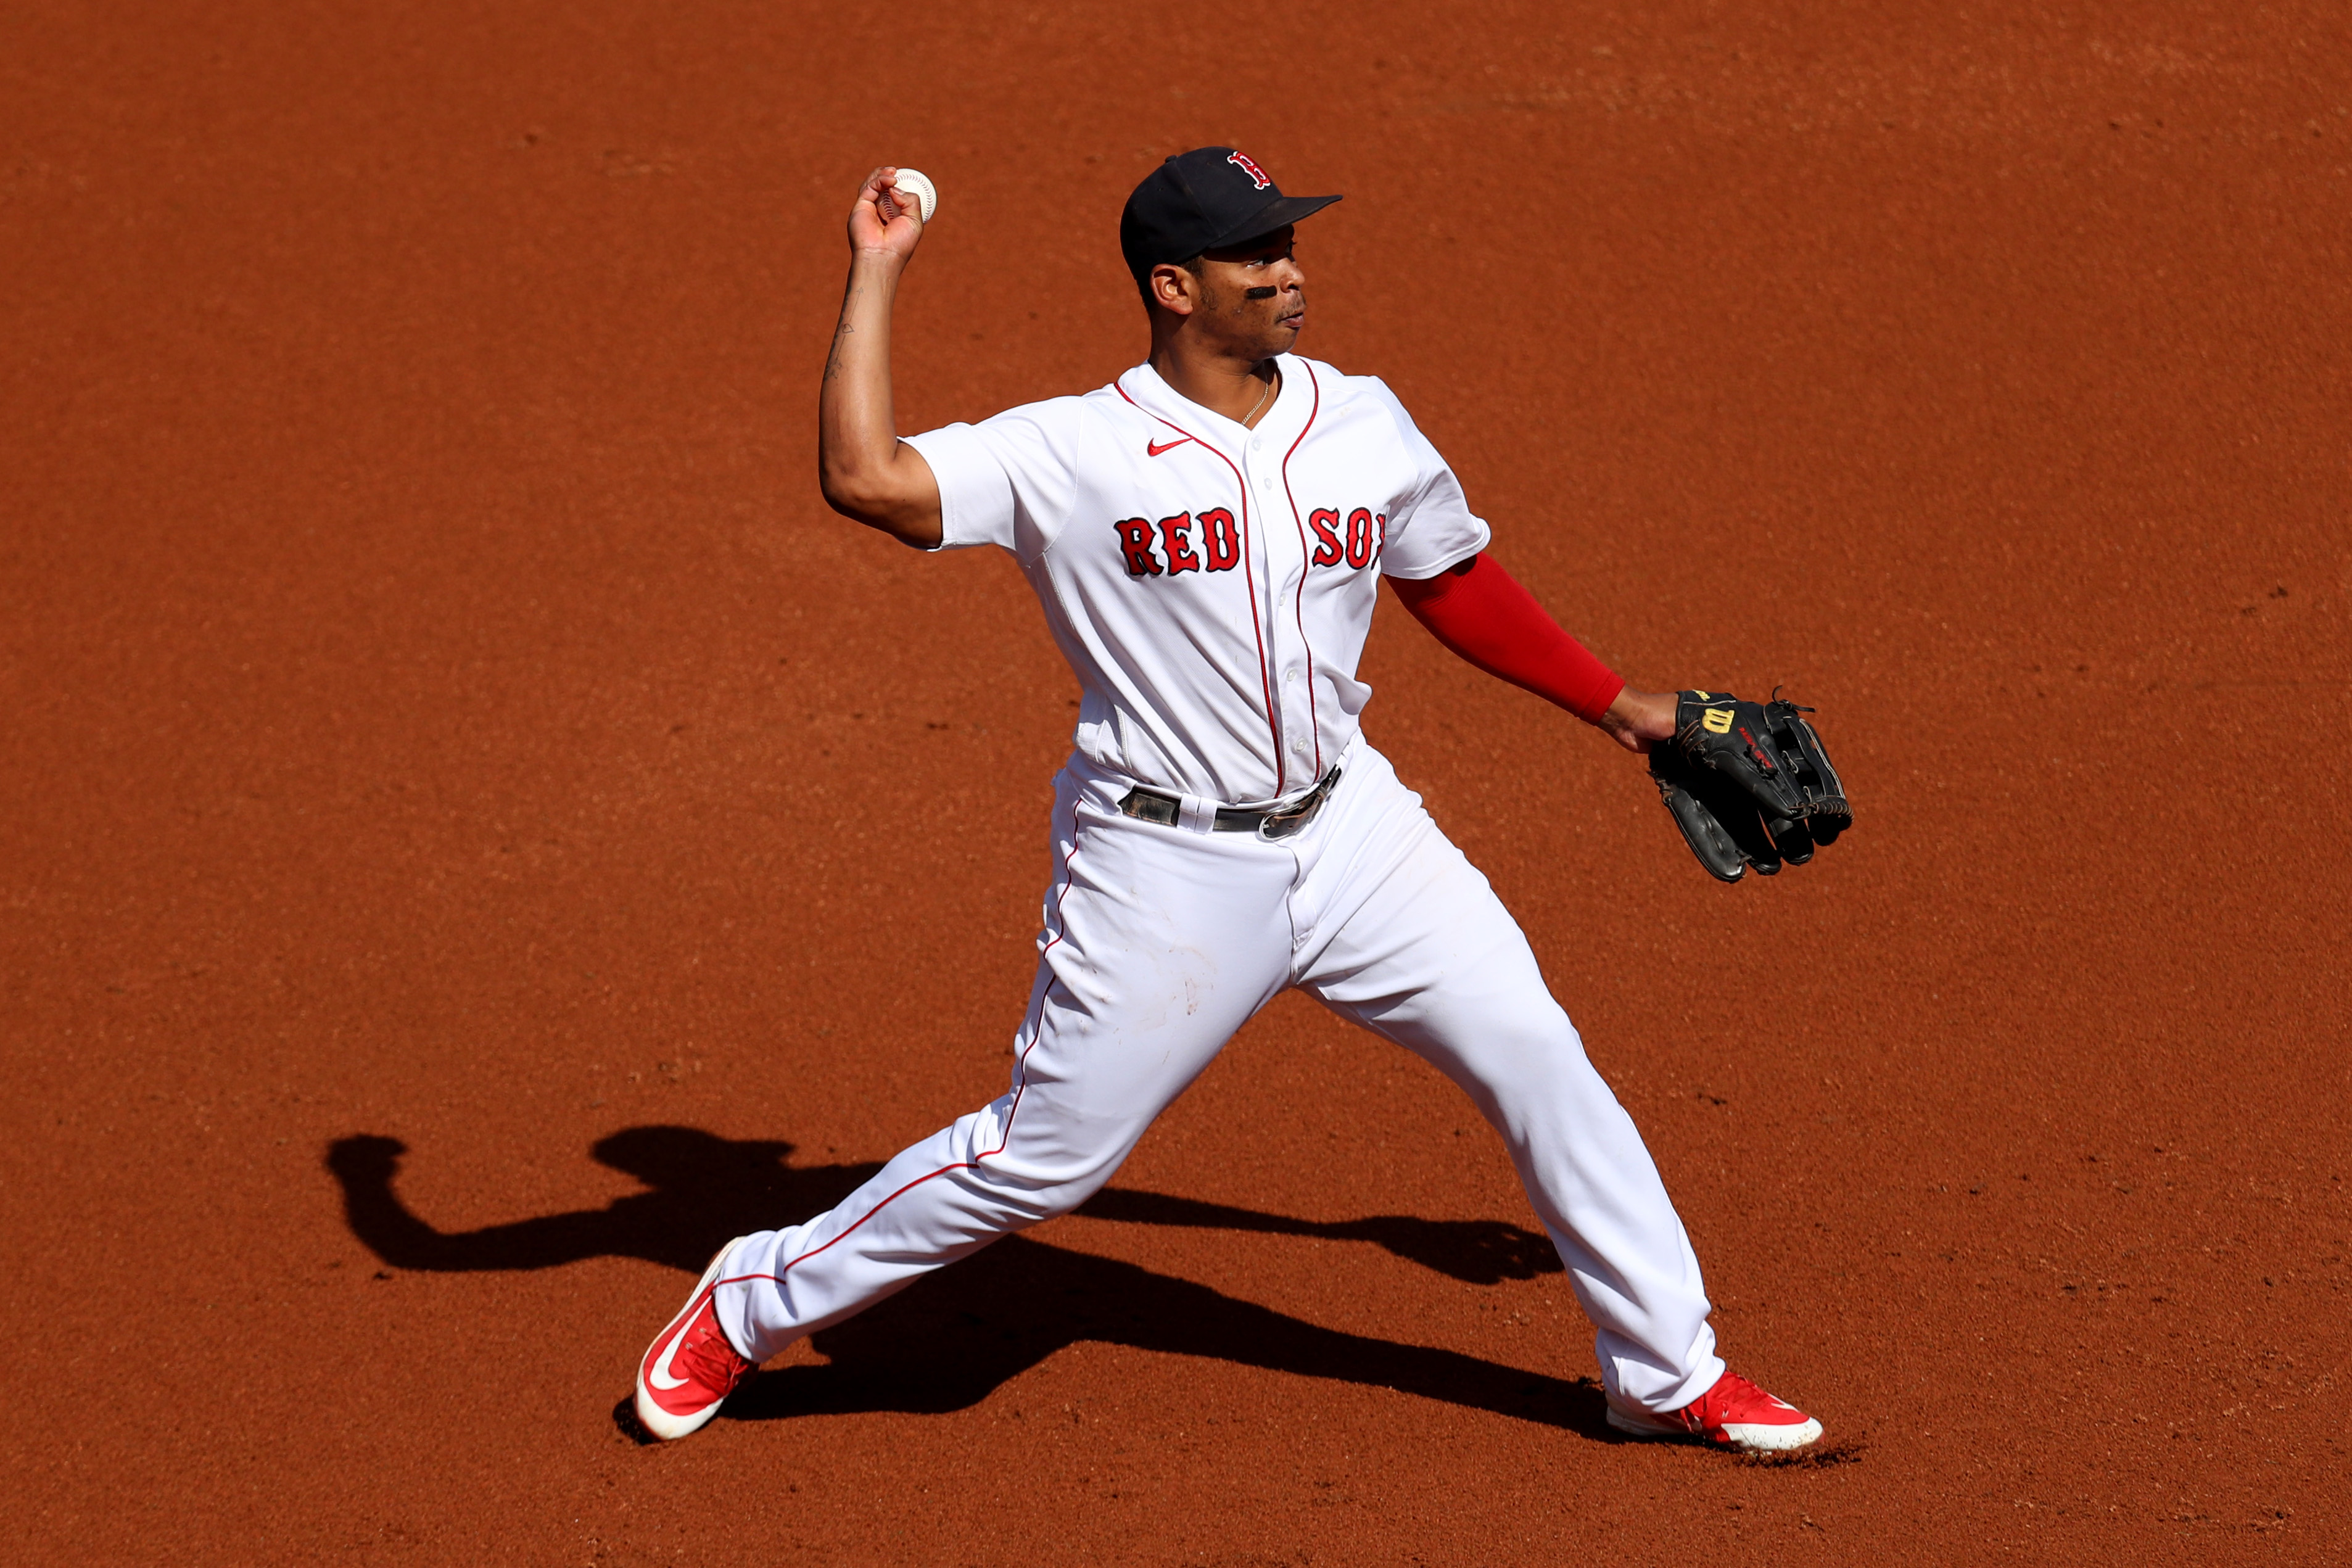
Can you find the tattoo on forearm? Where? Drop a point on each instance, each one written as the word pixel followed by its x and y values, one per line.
pixel 837 361
pixel 833 359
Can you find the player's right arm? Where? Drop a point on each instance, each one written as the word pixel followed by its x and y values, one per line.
pixel 865 471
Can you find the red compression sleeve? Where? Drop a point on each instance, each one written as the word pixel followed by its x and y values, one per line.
pixel 1480 612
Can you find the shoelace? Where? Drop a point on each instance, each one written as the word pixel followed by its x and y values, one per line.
pixel 711 1362
pixel 1736 1398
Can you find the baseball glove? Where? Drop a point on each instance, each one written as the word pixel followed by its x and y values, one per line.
pixel 1748 783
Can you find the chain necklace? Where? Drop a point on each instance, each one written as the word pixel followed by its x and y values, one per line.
pixel 1271 383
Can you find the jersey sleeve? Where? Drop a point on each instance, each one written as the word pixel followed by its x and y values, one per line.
pixel 1431 526
pixel 975 494
pixel 1009 481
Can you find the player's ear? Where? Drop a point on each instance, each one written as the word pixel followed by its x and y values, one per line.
pixel 1173 289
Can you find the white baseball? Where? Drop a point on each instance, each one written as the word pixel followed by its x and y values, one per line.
pixel 916 183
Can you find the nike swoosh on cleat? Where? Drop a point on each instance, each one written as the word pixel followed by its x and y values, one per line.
pixel 1149 450
pixel 658 1375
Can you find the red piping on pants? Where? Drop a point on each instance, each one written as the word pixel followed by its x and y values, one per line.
pixel 1019 1087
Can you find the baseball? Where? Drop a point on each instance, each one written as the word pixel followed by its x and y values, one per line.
pixel 918 184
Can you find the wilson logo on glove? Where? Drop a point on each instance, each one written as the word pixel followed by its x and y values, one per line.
pixel 1767 797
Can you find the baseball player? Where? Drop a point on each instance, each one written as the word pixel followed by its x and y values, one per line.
pixel 1207 536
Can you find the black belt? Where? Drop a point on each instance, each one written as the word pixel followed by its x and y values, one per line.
pixel 1150 806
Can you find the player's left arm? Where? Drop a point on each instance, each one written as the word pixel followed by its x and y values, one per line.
pixel 1481 612
pixel 1748 783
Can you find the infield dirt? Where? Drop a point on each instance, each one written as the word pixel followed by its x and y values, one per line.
pixel 437 713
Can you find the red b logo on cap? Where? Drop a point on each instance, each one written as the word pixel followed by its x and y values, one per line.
pixel 1240 161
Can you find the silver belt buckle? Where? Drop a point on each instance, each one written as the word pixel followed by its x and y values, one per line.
pixel 1275 825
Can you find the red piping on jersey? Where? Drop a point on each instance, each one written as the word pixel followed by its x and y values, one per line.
pixel 1035 1027
pixel 1249 579
pixel 1298 600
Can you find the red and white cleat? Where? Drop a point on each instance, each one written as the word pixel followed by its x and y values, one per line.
pixel 1735 1414
pixel 689 1368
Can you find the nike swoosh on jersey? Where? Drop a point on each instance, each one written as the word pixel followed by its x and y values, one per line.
pixel 1151 450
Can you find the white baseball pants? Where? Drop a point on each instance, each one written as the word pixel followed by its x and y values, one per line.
pixel 1159 941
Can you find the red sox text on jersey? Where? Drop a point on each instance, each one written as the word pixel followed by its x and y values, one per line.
pixel 1222 541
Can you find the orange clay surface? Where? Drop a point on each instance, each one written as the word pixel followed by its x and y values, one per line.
pixel 475 832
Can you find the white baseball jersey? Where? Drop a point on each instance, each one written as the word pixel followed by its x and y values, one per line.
pixel 1210 584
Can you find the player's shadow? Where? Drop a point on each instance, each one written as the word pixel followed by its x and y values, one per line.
pixel 956 1337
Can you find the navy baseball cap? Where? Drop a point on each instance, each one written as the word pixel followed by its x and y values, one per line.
pixel 1200 200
